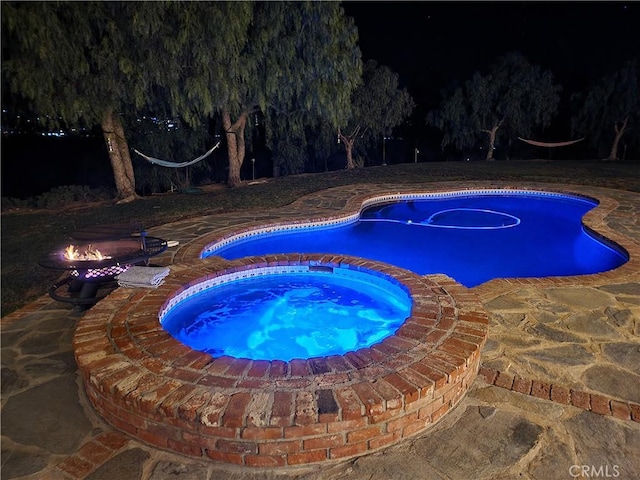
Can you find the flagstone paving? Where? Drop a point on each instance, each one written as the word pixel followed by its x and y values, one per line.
pixel 558 395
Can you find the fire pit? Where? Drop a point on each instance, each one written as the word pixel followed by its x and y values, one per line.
pixel 93 265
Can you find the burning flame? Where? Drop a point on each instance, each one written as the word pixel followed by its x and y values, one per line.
pixel 72 253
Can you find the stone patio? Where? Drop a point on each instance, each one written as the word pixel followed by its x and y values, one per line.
pixel 558 395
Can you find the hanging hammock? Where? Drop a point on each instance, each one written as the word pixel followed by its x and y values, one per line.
pixel 165 163
pixel 550 144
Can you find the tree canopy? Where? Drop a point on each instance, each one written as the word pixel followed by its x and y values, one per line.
pixel 610 109
pixel 79 63
pixel 95 62
pixel 514 97
pixel 309 68
pixel 295 62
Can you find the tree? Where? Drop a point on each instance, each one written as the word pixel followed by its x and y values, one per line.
pixel 291 61
pixel 199 65
pixel 378 105
pixel 610 108
pixel 309 66
pixel 204 63
pixel 77 63
pixel 514 95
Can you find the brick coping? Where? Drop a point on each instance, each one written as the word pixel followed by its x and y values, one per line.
pixel 274 414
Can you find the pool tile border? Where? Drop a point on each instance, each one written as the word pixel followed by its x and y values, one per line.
pixel 273 413
pixel 364 202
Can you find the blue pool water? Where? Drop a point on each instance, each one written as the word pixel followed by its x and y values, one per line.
pixel 289 315
pixel 472 238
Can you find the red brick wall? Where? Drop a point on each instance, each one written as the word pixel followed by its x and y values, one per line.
pixel 277 414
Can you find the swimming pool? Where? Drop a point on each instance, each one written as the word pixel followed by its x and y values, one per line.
pixel 472 236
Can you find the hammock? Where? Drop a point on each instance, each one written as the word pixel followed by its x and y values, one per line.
pixel 549 144
pixel 165 163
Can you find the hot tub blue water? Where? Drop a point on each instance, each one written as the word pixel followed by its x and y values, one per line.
pixel 472 237
pixel 284 316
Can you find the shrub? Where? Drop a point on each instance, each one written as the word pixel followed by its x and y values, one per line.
pixel 10 203
pixel 59 197
pixel 64 195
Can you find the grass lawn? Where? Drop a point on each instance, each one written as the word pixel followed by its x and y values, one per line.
pixel 29 235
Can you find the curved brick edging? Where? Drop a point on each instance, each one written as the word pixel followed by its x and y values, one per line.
pixel 591 402
pixel 277 414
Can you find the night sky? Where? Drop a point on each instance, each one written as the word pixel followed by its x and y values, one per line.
pixel 431 44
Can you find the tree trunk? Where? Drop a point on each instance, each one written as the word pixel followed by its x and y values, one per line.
pixel 492 141
pixel 349 142
pixel 348 147
pixel 613 154
pixel 119 157
pixel 235 145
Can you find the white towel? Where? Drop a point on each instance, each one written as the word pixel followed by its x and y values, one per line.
pixel 149 277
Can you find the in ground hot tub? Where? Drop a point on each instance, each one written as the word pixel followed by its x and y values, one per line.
pixel 275 413
pixel 287 312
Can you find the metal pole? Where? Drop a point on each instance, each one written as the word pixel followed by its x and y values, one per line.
pixel 253 168
pixel 384 152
